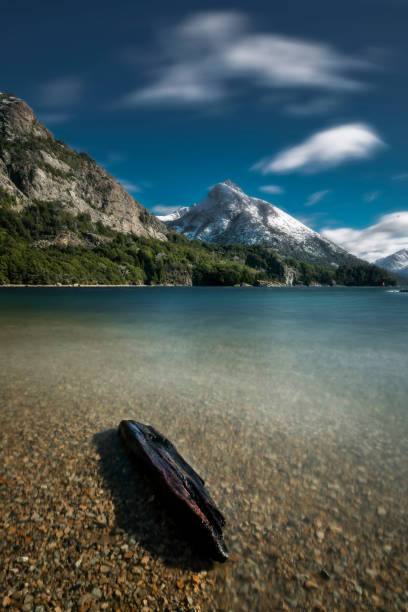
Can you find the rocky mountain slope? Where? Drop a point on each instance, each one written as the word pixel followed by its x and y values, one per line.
pixel 228 216
pixel 396 263
pixel 34 166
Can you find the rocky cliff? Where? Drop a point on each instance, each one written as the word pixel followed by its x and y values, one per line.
pixel 34 166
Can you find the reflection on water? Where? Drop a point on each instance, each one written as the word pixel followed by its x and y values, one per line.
pixel 290 402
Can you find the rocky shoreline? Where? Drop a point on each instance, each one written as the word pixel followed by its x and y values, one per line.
pixel 82 531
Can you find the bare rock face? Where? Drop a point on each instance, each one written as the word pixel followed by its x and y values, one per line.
pixel 7 185
pixel 291 275
pixel 18 119
pixel 36 166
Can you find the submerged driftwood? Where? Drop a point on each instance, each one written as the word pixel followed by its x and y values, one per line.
pixel 190 501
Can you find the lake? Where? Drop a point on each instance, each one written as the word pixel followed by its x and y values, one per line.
pixel 290 402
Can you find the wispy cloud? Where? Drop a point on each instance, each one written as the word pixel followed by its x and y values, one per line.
pixel 54 118
pixel 385 237
pixel 211 55
pixel 315 106
pixel 129 186
pixel 271 189
pixel 161 209
pixel 403 176
pixel 315 197
pixel 325 149
pixel 61 92
pixel 113 157
pixel 373 195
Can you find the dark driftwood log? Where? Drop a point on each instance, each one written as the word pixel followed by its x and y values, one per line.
pixel 189 500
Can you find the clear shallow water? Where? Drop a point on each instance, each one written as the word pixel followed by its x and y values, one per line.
pixel 338 348
pixel 289 394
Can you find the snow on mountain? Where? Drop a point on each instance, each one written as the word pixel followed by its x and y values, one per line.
pixel 228 215
pixel 174 215
pixel 397 262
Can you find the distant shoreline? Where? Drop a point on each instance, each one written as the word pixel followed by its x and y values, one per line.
pixel 78 286
pixel 271 286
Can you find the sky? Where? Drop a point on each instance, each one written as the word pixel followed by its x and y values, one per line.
pixel 303 104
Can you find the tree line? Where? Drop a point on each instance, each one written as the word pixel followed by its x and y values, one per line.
pixel 46 244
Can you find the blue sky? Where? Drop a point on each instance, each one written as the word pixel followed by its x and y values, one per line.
pixel 301 103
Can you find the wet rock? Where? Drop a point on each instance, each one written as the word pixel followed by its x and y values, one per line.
pixel 184 490
pixel 293 603
pixel 96 593
pixel 310 585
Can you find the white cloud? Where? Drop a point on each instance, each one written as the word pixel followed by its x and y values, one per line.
pixel 64 91
pixel 161 209
pixel 373 195
pixel 400 177
pixel 271 189
pixel 388 235
pixel 129 186
pixel 210 56
pixel 315 197
pixel 283 61
pixel 179 85
pixel 212 27
pixel 324 149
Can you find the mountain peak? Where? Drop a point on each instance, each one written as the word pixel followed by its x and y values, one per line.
pixel 229 183
pixel 396 262
pixel 230 216
pixel 226 193
pixel 17 119
pixel 225 187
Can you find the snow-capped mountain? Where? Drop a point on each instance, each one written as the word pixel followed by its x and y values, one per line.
pixel 228 216
pixel 397 262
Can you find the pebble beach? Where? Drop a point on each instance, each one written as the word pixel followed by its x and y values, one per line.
pixel 315 496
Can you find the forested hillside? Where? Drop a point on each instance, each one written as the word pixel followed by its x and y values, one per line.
pixel 45 244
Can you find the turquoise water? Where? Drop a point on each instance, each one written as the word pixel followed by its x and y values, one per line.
pixel 295 396
pixel 294 344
